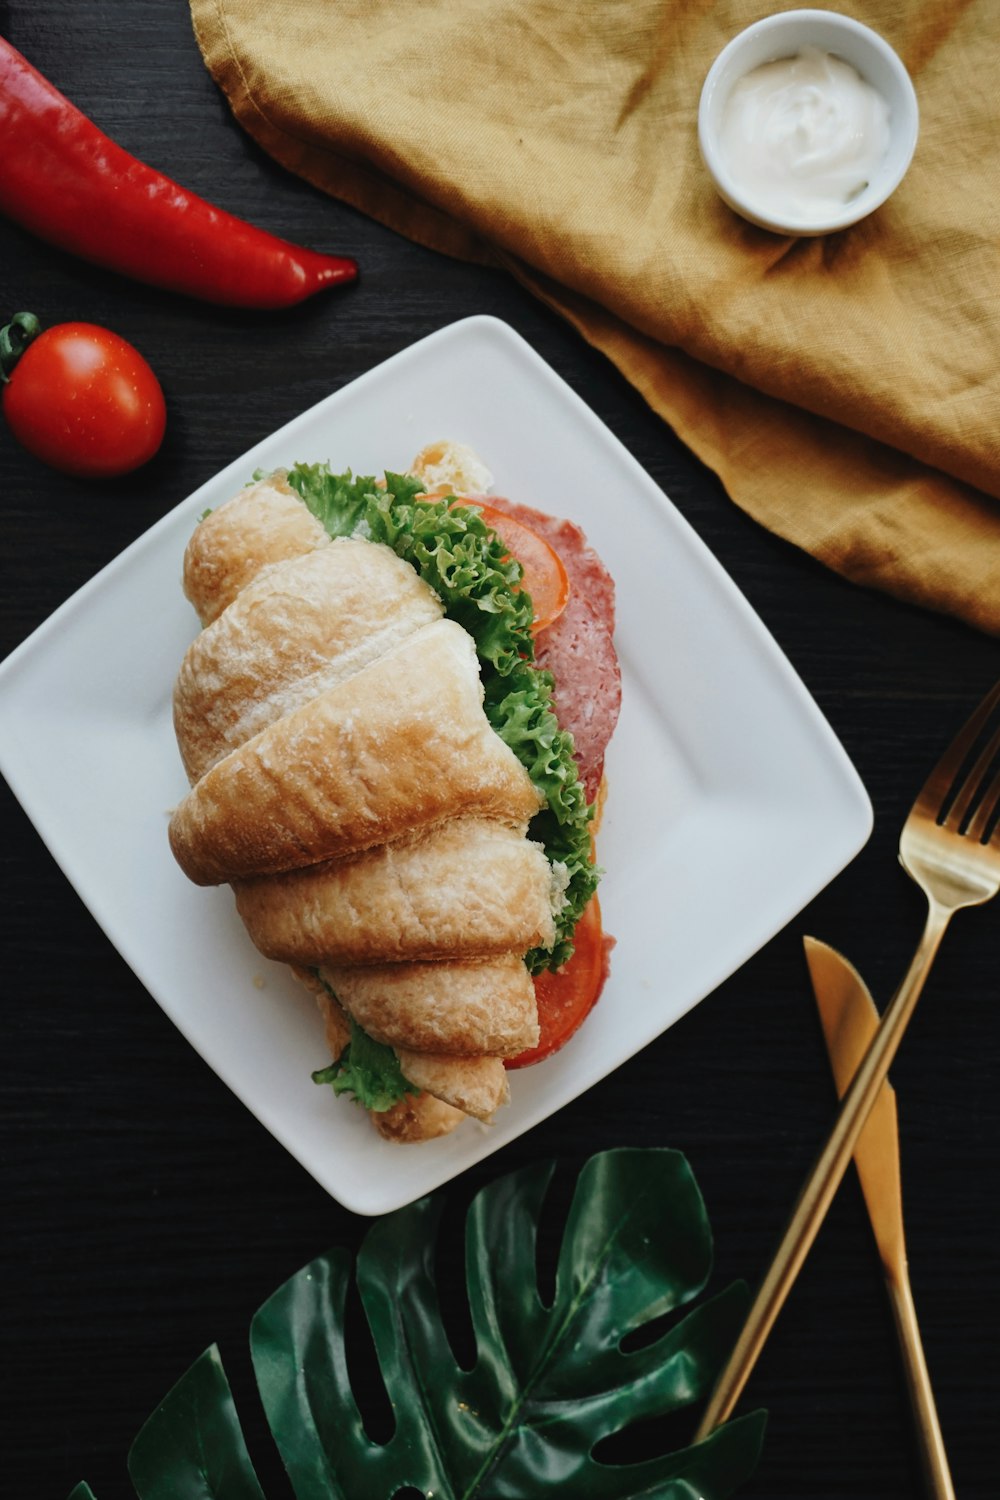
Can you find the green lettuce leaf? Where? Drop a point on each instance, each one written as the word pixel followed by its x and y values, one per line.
pixel 618 1341
pixel 519 707
pixel 570 847
pixel 338 501
pixel 367 1070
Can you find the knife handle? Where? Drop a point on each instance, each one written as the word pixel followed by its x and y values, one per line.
pixel 932 1451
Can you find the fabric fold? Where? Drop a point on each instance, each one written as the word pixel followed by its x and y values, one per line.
pixel 846 389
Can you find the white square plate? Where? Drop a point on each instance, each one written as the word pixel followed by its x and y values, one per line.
pixel 731 803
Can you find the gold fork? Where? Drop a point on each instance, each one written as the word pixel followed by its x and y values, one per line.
pixel 950 847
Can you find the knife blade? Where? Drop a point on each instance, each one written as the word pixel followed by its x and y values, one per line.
pixel 850 1018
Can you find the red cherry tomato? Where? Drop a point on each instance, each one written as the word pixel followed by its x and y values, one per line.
pixel 566 998
pixel 84 401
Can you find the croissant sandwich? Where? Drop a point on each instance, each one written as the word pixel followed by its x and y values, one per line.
pixel 393 722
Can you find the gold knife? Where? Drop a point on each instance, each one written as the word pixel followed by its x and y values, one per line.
pixel 849 1019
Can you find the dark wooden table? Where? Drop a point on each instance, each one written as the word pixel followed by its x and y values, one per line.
pixel 146 1213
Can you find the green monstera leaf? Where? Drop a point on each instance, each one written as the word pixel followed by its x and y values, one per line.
pixel 193 1444
pixel 552 1376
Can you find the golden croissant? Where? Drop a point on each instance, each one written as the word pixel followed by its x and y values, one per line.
pixel 350 782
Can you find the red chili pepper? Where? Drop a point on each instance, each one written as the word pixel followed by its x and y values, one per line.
pixel 64 180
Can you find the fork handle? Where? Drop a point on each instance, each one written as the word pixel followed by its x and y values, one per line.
pixel 820 1186
pixel 933 1457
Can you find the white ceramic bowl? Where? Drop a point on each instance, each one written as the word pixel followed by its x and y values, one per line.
pixel 785 35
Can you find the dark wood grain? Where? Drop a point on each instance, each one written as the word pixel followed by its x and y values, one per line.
pixel 146 1213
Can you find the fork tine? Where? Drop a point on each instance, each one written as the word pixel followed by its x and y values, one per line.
pixel 966 794
pixel 985 812
pixel 934 792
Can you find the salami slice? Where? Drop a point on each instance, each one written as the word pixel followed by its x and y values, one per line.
pixel 578 650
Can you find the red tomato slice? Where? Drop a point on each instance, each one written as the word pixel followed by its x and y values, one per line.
pixel 545 578
pixel 566 997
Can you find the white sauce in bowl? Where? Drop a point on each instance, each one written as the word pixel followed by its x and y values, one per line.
pixel 803 135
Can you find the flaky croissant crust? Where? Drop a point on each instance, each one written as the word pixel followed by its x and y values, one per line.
pixel 346 782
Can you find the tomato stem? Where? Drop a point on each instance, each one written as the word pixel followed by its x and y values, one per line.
pixel 15 337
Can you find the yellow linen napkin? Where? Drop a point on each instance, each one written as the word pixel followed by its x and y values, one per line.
pixel 845 389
